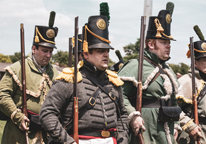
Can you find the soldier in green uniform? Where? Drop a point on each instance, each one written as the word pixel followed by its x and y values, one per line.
pixel 39 77
pixel 192 131
pixel 159 84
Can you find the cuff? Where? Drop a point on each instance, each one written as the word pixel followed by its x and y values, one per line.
pixel 178 128
pixel 132 114
pixel 17 117
pixel 189 126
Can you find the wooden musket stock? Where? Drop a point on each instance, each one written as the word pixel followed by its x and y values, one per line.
pixel 194 99
pixel 140 69
pixel 76 117
pixel 23 75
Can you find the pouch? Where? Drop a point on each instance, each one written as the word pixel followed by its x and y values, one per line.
pixel 169 113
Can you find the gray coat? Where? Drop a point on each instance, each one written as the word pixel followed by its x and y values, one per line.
pixel 102 116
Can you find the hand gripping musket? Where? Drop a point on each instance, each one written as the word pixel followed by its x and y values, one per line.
pixel 23 75
pixel 140 69
pixel 75 126
pixel 194 99
pixel 70 52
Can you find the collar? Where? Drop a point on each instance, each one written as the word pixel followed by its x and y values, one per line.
pixel 92 69
pixel 154 57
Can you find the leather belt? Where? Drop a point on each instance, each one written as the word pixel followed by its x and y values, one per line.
pixel 98 133
pixel 151 103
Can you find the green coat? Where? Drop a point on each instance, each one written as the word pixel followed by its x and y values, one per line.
pixel 155 131
pixel 37 86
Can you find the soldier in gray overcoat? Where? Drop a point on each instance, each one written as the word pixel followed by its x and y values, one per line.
pixel 100 111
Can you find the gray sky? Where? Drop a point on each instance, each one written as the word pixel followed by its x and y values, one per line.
pixel 124 28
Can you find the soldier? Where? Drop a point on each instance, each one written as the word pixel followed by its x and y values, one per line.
pixel 39 77
pixel 100 111
pixel 191 130
pixel 79 47
pixel 159 85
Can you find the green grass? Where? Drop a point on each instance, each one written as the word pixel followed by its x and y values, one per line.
pixel 2 123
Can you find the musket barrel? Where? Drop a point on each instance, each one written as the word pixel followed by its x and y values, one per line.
pixel 23 77
pixel 75 127
pixel 193 84
pixel 140 69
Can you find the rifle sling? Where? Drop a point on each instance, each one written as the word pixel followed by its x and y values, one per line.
pixel 110 94
pixel 91 101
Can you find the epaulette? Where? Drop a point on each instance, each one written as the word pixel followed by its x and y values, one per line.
pixel 113 77
pixel 68 73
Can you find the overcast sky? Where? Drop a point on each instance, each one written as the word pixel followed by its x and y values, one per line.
pixel 124 28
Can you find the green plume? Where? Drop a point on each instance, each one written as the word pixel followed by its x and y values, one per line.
pixel 170 7
pixel 104 10
pixel 118 54
pixel 198 32
pixel 52 18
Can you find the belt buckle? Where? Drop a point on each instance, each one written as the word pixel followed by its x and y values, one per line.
pixel 105 133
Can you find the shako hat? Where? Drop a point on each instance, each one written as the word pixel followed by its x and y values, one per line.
pixel 199 46
pixel 79 43
pixel 45 35
pixel 159 27
pixel 95 33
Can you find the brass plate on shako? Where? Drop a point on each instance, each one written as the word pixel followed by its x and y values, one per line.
pixel 168 18
pixel 50 33
pixel 203 46
pixel 101 24
pixel 105 133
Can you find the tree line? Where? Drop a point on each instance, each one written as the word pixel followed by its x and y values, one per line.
pixel 62 58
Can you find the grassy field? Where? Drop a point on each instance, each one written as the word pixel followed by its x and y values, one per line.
pixel 2 123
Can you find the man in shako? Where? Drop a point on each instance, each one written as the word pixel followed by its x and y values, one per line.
pixel 79 47
pixel 39 77
pixel 191 130
pixel 106 113
pixel 159 83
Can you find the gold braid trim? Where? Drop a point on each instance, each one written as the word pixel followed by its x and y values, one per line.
pixel 68 73
pixel 186 125
pixel 160 30
pixel 101 38
pixel 37 30
pixel 113 77
pixel 73 41
pixel 184 99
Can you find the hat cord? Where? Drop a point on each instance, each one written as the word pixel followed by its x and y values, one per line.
pixel 160 30
pixel 37 30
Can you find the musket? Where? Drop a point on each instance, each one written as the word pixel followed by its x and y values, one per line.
pixel 70 52
pixel 23 75
pixel 76 117
pixel 140 69
pixel 194 99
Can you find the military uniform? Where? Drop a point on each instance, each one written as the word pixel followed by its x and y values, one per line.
pixel 38 82
pixel 102 116
pixel 185 98
pixel 100 101
pixel 37 87
pixel 156 132
pixel 159 84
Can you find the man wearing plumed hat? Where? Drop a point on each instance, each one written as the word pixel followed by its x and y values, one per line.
pixel 159 86
pixel 191 131
pixel 102 115
pixel 39 77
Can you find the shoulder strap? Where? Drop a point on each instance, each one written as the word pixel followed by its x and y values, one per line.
pixel 161 71
pixel 104 89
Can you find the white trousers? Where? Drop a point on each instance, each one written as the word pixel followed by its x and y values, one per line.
pixel 96 141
